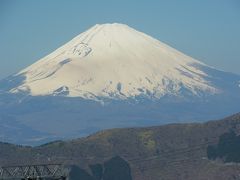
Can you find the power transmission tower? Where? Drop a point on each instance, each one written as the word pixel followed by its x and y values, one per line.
pixel 34 172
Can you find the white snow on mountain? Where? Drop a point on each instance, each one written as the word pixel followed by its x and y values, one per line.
pixel 117 62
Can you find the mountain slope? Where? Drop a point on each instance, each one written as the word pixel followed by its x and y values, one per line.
pixel 176 151
pixel 111 76
pixel 114 61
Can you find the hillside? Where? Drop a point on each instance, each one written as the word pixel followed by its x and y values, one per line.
pixel 175 151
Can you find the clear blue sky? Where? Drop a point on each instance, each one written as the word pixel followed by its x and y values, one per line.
pixel 208 30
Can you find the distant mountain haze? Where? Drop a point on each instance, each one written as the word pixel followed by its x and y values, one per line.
pixel 111 76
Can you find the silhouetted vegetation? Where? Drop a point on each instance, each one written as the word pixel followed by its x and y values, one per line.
pixel 114 169
pixel 227 149
pixel 97 171
pixel 77 173
pixel 117 169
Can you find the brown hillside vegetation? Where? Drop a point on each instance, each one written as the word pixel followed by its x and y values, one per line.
pixel 176 151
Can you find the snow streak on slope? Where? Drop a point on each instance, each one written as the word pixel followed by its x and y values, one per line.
pixel 117 62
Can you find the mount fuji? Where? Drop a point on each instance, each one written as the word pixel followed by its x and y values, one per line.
pixel 111 76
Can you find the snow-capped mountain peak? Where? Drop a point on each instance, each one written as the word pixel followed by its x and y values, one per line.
pixel 117 62
pixel 116 77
